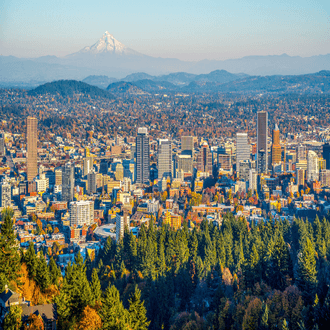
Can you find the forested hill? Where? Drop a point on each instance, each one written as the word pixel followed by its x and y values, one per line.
pixel 69 88
pixel 270 275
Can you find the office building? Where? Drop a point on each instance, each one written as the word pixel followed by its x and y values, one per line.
pixel 68 182
pixel 104 166
pixel 119 172
pixel 164 159
pixel 253 181
pixel 142 156
pixel 276 147
pixel 301 153
pixel 262 134
pixel 244 170
pixel 312 166
pixel 58 177
pixel 187 145
pixel 81 213
pixel 325 178
pixel 326 155
pixel 204 160
pixel 2 145
pixel 300 176
pixel 5 194
pixel 32 151
pixel 91 183
pixel 122 221
pixel 184 163
pixel 242 149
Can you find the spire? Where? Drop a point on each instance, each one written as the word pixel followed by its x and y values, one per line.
pixel 276 128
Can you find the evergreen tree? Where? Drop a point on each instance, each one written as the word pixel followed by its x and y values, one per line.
pixel 306 277
pixel 285 325
pixel 54 272
pixel 42 274
pixel 31 261
pixel 137 311
pixel 113 314
pixel 264 318
pixel 9 257
pixel 13 320
pixel 96 287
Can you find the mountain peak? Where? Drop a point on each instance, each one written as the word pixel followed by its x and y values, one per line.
pixel 107 44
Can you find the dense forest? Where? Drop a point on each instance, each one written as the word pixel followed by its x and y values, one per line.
pixel 69 88
pixel 270 275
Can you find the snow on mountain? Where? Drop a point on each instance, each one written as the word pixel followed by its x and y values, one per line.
pixel 108 44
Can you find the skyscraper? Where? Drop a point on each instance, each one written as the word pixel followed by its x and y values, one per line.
pixel 262 134
pixel 204 160
pixel 164 159
pixel 68 182
pixel 5 194
pixel 301 153
pixel 276 146
pixel 187 145
pixel 142 156
pixel 32 151
pixel 300 175
pixel 2 145
pixel 312 166
pixel 242 149
pixel 326 154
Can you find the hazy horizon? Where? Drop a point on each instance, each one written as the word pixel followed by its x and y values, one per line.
pixel 187 30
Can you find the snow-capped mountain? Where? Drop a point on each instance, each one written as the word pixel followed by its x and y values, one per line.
pixel 108 44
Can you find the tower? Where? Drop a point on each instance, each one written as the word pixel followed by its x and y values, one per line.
pixel 326 154
pixel 204 160
pixel 32 151
pixel 187 145
pixel 276 146
pixel 68 182
pixel 2 145
pixel 312 166
pixel 262 134
pixel 164 159
pixel 242 149
pixel 142 156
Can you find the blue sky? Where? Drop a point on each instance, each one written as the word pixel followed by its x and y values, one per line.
pixel 189 30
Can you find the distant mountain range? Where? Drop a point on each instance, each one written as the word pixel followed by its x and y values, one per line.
pixel 109 57
pixel 214 82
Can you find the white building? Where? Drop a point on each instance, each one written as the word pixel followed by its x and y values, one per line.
pixel 122 221
pixel 312 166
pixel 81 213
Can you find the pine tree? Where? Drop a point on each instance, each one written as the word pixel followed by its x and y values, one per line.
pixel 9 256
pixel 307 279
pixel 264 318
pixel 137 311
pixel 54 272
pixel 42 273
pixel 113 314
pixel 285 325
pixel 31 261
pixel 13 320
pixel 96 287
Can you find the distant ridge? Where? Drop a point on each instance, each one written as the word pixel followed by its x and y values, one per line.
pixel 109 57
pixel 69 88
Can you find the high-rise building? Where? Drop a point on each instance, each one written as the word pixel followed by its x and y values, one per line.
pixel 224 162
pixel 122 221
pixel 325 178
pixel 119 172
pixel 253 180
pixel 104 166
pixel 242 149
pixel 164 158
pixel 2 145
pixel 68 182
pixel 81 213
pixel 91 186
pixel 262 134
pixel 187 145
pixel 204 160
pixel 32 151
pixel 276 146
pixel 244 172
pixel 5 194
pixel 312 166
pixel 142 156
pixel 301 153
pixel 58 177
pixel 326 155
pixel 300 175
